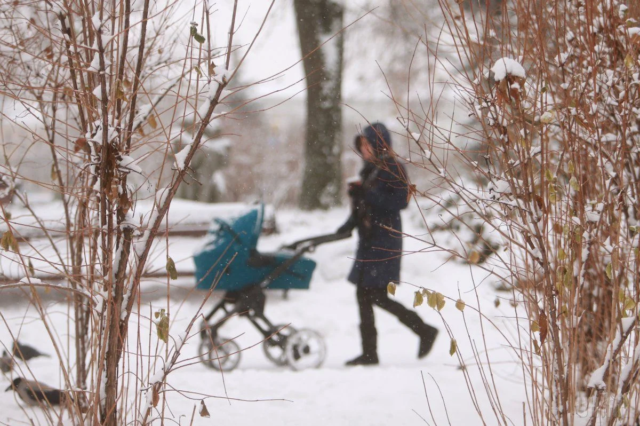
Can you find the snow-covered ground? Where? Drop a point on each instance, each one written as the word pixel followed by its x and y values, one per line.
pixel 260 393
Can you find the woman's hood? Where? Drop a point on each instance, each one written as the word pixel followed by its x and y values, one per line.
pixel 379 138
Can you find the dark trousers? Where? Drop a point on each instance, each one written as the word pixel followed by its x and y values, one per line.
pixel 367 297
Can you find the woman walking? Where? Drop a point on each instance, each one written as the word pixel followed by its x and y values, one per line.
pixel 376 201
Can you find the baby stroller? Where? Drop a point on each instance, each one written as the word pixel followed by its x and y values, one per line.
pixel 230 262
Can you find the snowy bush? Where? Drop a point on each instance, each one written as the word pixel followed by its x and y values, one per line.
pixel 99 87
pixel 554 89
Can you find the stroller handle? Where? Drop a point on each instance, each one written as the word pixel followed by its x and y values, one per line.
pixel 300 248
pixel 310 243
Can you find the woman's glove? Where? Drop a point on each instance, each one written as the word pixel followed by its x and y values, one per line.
pixel 355 190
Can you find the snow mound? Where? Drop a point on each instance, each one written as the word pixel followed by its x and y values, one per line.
pixel 181 157
pixel 507 66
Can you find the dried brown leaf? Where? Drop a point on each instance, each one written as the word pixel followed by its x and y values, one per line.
pixel 474 257
pixel 203 410
pixel 391 288
pixel 417 299
pixel 453 347
pixel 440 301
pixel 544 326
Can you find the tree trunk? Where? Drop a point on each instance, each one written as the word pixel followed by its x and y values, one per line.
pixel 319 20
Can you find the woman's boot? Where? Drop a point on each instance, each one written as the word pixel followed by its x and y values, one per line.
pixel 369 347
pixel 427 335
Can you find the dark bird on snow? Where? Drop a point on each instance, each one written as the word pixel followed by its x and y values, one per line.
pixel 25 352
pixel 34 393
pixel 6 362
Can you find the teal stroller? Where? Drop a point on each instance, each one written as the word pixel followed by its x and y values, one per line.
pixel 230 262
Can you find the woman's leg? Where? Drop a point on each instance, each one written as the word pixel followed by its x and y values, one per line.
pixel 406 316
pixel 368 330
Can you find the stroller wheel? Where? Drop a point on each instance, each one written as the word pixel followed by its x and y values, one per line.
pixel 305 349
pixel 275 347
pixel 220 354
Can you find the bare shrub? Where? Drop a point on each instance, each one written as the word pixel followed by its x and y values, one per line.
pixel 548 166
pixel 120 96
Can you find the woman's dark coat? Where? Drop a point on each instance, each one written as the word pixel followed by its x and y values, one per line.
pixel 377 206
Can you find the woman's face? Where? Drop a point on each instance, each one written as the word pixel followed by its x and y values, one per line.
pixel 366 150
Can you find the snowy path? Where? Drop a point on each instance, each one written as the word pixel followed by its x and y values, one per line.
pixel 389 394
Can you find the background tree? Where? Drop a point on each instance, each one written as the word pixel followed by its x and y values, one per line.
pixel 319 22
